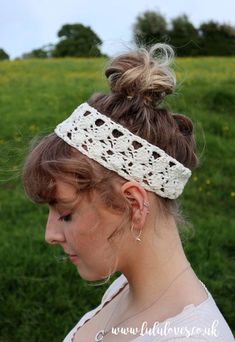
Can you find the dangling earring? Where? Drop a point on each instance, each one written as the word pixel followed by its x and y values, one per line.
pixel 136 237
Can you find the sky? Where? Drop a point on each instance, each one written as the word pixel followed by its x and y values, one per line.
pixel 31 24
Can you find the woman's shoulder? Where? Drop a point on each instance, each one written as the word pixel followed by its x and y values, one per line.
pixel 201 323
pixel 196 323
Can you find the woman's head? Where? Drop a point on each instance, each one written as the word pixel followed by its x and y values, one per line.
pixel 139 81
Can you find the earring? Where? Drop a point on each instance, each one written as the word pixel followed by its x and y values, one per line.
pixel 136 237
pixel 146 205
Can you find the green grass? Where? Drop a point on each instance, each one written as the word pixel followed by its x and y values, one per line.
pixel 41 296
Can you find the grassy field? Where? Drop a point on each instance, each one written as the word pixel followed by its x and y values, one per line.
pixel 42 296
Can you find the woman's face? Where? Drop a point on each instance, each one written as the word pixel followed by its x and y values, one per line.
pixel 82 231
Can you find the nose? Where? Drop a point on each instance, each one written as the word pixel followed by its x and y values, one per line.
pixel 54 231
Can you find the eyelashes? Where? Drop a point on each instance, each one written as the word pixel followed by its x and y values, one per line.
pixel 65 218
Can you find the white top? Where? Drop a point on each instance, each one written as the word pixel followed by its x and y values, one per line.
pixel 203 322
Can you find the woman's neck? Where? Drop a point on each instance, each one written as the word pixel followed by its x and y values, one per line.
pixel 152 265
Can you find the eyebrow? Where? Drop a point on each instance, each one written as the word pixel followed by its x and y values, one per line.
pixel 64 202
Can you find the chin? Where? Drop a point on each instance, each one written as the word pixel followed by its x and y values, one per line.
pixel 93 276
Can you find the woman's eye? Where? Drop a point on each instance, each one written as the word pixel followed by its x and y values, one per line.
pixel 66 218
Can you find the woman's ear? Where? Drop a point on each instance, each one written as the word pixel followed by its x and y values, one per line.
pixel 136 195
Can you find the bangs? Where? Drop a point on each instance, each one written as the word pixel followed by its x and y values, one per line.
pixel 49 161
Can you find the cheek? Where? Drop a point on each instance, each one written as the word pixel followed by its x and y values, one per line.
pixel 88 238
pixel 87 232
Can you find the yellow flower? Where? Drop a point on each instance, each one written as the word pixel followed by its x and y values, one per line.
pixel 232 194
pixel 17 139
pixel 225 128
pixel 33 128
pixel 208 181
pixel 195 178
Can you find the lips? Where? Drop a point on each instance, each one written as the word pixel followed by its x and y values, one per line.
pixel 73 258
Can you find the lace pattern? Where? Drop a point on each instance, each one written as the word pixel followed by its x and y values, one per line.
pixel 117 149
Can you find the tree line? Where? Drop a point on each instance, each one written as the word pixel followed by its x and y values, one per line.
pixel 211 38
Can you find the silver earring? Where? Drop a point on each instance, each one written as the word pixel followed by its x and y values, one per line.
pixel 136 237
pixel 146 205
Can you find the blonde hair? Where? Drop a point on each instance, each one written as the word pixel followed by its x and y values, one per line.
pixel 140 72
pixel 139 81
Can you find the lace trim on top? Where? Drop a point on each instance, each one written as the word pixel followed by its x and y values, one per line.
pixel 187 307
pixel 104 304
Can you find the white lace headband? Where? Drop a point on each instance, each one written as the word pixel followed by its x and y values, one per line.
pixel 119 150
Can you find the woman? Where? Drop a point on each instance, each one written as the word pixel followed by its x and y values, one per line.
pixel 111 174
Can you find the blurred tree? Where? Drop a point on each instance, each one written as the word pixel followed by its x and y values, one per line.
pixel 3 55
pixel 217 39
pixel 210 39
pixel 77 40
pixel 37 53
pixel 184 36
pixel 150 28
pixel 43 52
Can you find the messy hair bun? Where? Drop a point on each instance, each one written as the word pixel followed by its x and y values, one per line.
pixel 143 73
pixel 139 80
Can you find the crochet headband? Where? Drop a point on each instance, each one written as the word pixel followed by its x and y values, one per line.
pixel 117 149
